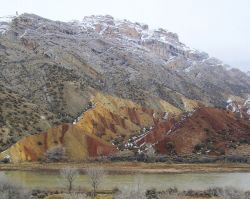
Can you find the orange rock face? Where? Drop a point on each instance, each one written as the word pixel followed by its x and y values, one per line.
pixel 207 130
pixel 215 130
pixel 92 135
pixel 78 145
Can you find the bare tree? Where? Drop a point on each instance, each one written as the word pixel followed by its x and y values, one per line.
pixel 69 175
pixel 96 175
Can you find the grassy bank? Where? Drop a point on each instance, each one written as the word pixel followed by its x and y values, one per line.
pixel 61 196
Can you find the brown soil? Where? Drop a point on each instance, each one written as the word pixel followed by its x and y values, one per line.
pixel 132 167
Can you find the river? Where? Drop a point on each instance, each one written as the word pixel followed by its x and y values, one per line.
pixel 184 181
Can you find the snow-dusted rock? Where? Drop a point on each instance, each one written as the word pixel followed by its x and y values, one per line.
pixel 5 23
pixel 123 58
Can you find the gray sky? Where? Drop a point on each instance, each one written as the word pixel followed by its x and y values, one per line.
pixel 218 27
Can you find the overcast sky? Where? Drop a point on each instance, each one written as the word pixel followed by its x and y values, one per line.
pixel 218 27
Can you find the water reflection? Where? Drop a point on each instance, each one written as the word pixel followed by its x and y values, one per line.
pixel 196 181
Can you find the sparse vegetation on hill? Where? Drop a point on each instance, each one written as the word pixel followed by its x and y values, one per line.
pixel 19 117
pixel 50 71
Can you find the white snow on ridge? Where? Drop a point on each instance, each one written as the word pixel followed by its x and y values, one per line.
pixel 7 19
pixel 103 24
pixel 138 35
pixel 3 28
pixel 5 23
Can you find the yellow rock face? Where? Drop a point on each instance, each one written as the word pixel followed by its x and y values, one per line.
pixel 92 135
pixel 189 104
pixel 113 116
pixel 77 144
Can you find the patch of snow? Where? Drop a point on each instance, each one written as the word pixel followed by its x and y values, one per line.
pixel 25 32
pixel 188 69
pixel 77 119
pixel 247 102
pixel 165 116
pixel 229 100
pixel 42 117
pixel 248 111
pixel 5 23
pixel 3 28
pixel 145 34
pixel 141 136
pixel 231 107
pixel 142 144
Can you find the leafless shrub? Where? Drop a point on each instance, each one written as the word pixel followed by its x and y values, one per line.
pixel 231 193
pixel 130 193
pixel 96 175
pixel 136 190
pixel 167 195
pixel 11 190
pixel 75 196
pixel 55 154
pixel 150 153
pixel 69 176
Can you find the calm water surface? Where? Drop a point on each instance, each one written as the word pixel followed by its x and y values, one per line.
pixel 197 181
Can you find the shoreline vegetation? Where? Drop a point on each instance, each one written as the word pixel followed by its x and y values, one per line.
pixel 96 172
pixel 129 167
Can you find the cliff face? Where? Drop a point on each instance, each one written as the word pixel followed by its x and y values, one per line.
pixel 122 76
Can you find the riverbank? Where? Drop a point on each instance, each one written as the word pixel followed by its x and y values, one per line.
pixel 131 167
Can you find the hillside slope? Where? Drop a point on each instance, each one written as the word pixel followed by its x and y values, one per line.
pixel 20 117
pixel 122 76
pixel 113 124
pixel 207 131
pixel 108 118
pixel 47 61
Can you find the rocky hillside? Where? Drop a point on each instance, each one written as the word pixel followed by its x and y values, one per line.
pixel 106 121
pixel 239 107
pixel 113 124
pixel 207 131
pixel 111 71
pixel 20 117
